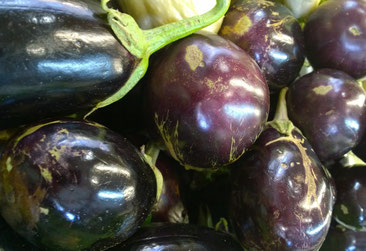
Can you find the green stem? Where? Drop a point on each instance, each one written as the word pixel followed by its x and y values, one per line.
pixel 350 159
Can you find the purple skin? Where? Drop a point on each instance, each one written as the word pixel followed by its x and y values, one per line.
pixel 329 108
pixel 335 36
pixel 207 99
pixel 170 206
pixel 282 198
pixel 340 238
pixel 350 207
pixel 271 35
pixel 74 185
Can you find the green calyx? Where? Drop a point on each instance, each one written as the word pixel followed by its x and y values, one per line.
pixel 143 43
pixel 350 159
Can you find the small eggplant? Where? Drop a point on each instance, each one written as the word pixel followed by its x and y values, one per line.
pixel 64 57
pixel 282 197
pixel 350 179
pixel 168 236
pixel 329 107
pixel 74 185
pixel 269 32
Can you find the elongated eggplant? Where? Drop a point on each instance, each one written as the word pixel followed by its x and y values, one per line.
pixel 282 197
pixel 74 185
pixel 169 236
pixel 61 57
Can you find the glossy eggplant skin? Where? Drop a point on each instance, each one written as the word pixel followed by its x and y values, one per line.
pixel 281 195
pixel 329 107
pixel 74 185
pixel 206 99
pixel 56 58
pixel 178 237
pixel 342 239
pixel 271 35
pixel 335 36
pixel 350 207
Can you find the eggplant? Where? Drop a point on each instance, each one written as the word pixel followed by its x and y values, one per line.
pixel 206 100
pixel 169 236
pixel 64 57
pixel 282 196
pixel 329 107
pixel 74 185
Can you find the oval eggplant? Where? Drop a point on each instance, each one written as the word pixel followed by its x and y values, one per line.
pixel 271 35
pixel 61 57
pixel 56 56
pixel 170 236
pixel 335 36
pixel 282 197
pixel 329 107
pixel 73 185
pixel 206 99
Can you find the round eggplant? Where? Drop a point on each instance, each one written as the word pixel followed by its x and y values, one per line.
pixel 335 36
pixel 168 236
pixel 271 35
pixel 64 57
pixel 282 198
pixel 206 99
pixel 350 179
pixel 74 185
pixel 329 107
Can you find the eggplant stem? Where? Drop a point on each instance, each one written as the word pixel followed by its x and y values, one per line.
pixel 350 159
pixel 281 109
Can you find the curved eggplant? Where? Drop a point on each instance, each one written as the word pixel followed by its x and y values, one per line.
pixel 169 236
pixel 61 57
pixel 74 185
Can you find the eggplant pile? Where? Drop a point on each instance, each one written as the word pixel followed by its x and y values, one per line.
pixel 159 134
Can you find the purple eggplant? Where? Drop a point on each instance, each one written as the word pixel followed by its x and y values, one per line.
pixel 168 236
pixel 74 185
pixel 282 198
pixel 271 35
pixel 206 99
pixel 350 179
pixel 335 36
pixel 62 57
pixel 329 107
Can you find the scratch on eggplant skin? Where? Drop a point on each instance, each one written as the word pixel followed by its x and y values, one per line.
pixel 323 89
pixel 194 57
pixel 241 27
pixel 354 30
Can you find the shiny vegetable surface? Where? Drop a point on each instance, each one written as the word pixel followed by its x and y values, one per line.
pixel 170 236
pixel 329 107
pixel 63 57
pixel 282 198
pixel 335 36
pixel 74 185
pixel 271 35
pixel 207 100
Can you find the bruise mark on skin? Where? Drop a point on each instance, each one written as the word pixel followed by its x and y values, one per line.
pixel 194 57
pixel 241 27
pixel 323 89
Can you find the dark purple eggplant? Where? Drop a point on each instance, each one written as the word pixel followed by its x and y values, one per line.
pixel 342 239
pixel 74 185
pixel 329 107
pixel 335 36
pixel 271 35
pixel 350 179
pixel 171 206
pixel 179 237
pixel 282 198
pixel 64 57
pixel 206 99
